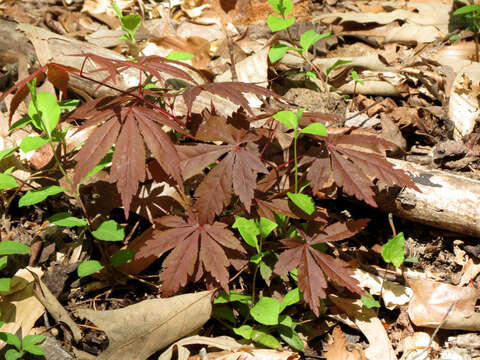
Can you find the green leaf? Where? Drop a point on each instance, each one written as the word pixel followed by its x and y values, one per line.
pixel 7 152
pixel 13 354
pixel 291 337
pixel 266 311
pixel 35 196
pixel 454 37
pixel 412 259
pixel 266 271
pixel 130 25
pixel 69 104
pixel 32 340
pixel 31 143
pixel 89 267
pixel 7 182
pixel 283 7
pixel 180 55
pixel 337 64
pixel 65 219
pixel 5 284
pixel 3 263
pixel 10 339
pixel 244 331
pixel 106 161
pixel 109 231
pixel 355 77
pixel 258 257
pixel 223 297
pixel 292 297
pixel 310 37
pixel 21 123
pixel 266 226
pixel 264 338
pixel 285 320
pixel 248 229
pixel 369 302
pixel 178 84
pixel 276 23
pixel 277 52
pixel 467 9
pixel 34 350
pixel 316 128
pixel 117 9
pixel 9 247
pixel 394 250
pixel 48 111
pixel 223 311
pixel 287 118
pixel 304 202
pixel 122 257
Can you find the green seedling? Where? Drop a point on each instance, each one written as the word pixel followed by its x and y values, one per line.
pixel 254 233
pixel 393 252
pixel 333 67
pixel 267 316
pixel 130 23
pixel 470 14
pixel 356 81
pixel 292 121
pixel 283 21
pixel 29 344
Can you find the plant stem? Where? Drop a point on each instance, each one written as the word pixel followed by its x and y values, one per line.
pixel 295 159
pixel 257 266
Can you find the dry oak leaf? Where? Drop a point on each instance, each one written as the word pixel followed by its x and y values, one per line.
pixel 313 264
pixel 198 249
pixel 339 349
pixel 137 331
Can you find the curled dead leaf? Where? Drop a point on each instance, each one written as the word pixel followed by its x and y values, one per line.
pixel 437 304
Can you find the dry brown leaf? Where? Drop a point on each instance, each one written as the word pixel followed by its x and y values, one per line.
pixel 432 301
pixel 415 344
pixel 339 349
pixel 469 272
pixel 246 353
pixel 393 294
pixel 195 45
pixel 425 14
pixel 463 106
pixel 137 331
pixel 20 309
pixel 221 342
pixel 370 325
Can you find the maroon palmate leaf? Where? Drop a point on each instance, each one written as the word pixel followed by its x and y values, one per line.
pixel 356 160
pixel 238 169
pixel 233 91
pixel 127 126
pixel 155 65
pixel 56 74
pixel 314 264
pixel 198 249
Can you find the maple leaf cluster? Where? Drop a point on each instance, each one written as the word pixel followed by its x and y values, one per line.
pixel 234 171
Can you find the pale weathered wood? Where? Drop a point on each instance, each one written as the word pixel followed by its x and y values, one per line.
pixel 447 201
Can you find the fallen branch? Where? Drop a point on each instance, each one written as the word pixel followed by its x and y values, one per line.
pixel 448 201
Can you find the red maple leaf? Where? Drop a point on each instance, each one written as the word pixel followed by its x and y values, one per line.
pixel 198 249
pixel 314 264
pixel 128 126
pixel 237 170
pixel 232 91
pixel 355 160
